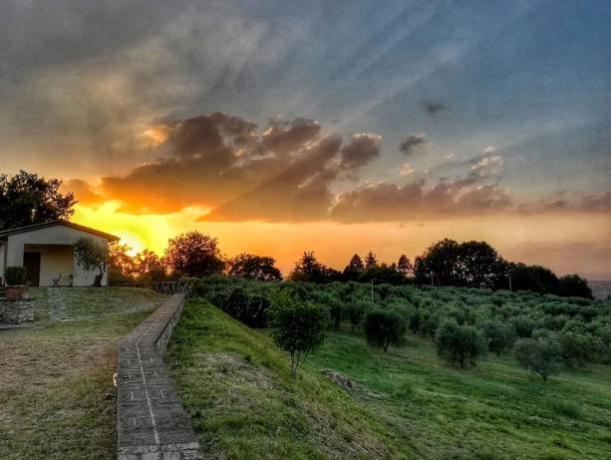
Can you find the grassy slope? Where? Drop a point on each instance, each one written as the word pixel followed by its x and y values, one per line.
pixel 244 404
pixel 496 410
pixel 56 390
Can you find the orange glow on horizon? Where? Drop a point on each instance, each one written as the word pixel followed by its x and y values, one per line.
pixel 516 237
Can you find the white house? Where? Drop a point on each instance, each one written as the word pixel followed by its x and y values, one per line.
pixel 46 251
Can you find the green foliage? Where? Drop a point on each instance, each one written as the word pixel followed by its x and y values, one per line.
pixel 27 199
pixel 541 355
pixel 499 336
pixel 500 316
pixel 91 255
pixel 194 254
pixel 250 309
pixel 577 349
pixel 297 327
pixel 459 344
pixel 524 326
pixel 384 328
pixel 254 267
pixel 574 286
pixel 15 276
pixel 355 311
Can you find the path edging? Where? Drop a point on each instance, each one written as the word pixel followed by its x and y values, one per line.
pixel 151 422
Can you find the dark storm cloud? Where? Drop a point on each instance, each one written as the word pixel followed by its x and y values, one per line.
pixel 225 163
pixel 288 170
pixel 411 142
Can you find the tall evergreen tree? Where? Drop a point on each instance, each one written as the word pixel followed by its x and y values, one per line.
pixel 354 269
pixel 370 260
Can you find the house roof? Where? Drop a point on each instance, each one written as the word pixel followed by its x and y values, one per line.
pixel 29 228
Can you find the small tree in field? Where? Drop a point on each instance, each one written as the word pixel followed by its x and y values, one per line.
pixel 384 328
pixel 459 344
pixel 297 327
pixel 498 335
pixel 91 255
pixel 355 311
pixel 542 356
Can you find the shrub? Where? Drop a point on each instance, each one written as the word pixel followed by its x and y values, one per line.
pixel 15 276
pixel 384 328
pixel 459 344
pixel 335 312
pixel 297 327
pixel 524 326
pixel 577 349
pixel 355 311
pixel 541 356
pixel 498 335
pixel 251 310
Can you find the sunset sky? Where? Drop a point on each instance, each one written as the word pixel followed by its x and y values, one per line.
pixel 334 126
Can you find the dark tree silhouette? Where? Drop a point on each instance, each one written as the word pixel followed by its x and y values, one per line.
pixel 194 254
pixel 27 199
pixel 354 269
pixel 254 267
pixel 404 266
pixel 575 286
pixel 370 260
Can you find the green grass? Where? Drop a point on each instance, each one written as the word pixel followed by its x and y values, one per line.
pixel 57 399
pixel 407 404
pixel 244 404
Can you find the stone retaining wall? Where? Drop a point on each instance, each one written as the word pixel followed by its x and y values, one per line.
pixel 16 311
pixel 151 422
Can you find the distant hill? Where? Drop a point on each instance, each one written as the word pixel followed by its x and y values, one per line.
pixel 600 289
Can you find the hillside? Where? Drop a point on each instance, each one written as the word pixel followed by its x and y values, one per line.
pixel 405 403
pixel 244 404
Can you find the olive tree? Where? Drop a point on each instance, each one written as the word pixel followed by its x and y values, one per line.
pixel 384 328
pixel 297 327
pixel 542 355
pixel 459 344
pixel 499 336
pixel 91 255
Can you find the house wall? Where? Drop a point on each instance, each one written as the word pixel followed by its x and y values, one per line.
pixel 52 236
pixel 54 259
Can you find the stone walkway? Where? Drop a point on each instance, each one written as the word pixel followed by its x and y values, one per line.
pixel 151 422
pixel 58 310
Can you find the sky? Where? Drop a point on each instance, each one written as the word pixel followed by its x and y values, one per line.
pixel 338 127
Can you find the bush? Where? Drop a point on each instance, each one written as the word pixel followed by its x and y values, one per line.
pixel 355 311
pixel 297 327
pixel 524 326
pixel 459 344
pixel 384 328
pixel 15 276
pixel 498 335
pixel 251 310
pixel 542 355
pixel 577 349
pixel 335 312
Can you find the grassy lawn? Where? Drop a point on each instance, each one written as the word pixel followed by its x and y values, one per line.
pixel 244 404
pixel 407 404
pixel 56 389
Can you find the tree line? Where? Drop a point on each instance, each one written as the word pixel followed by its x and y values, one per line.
pixel 27 199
